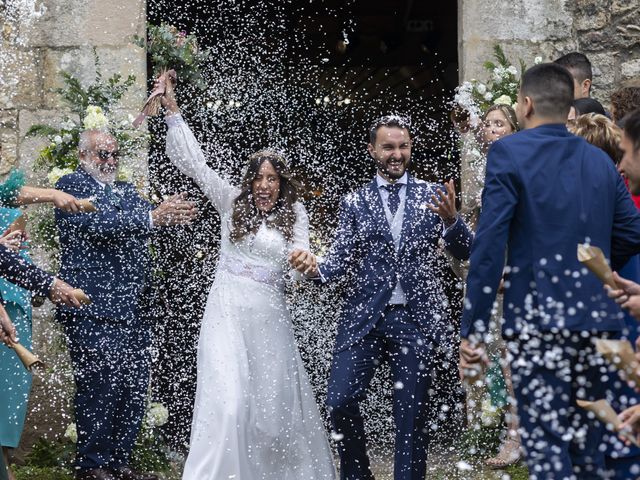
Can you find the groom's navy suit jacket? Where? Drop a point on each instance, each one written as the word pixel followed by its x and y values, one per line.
pixel 105 253
pixel 364 251
pixel 547 190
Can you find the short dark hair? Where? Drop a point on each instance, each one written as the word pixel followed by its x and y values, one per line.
pixel 588 105
pixel 550 86
pixel 625 100
pixel 578 64
pixel 398 121
pixel 632 128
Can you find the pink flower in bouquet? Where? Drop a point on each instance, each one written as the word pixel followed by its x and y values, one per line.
pixel 181 39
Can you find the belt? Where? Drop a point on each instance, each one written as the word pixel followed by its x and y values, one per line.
pixel 257 273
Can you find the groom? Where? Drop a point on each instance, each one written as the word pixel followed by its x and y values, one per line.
pixel 387 246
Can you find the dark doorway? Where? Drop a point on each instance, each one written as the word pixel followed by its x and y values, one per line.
pixel 306 77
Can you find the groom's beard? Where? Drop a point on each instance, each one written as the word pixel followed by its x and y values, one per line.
pixel 106 174
pixel 395 175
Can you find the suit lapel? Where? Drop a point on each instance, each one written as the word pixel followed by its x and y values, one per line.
pixel 374 203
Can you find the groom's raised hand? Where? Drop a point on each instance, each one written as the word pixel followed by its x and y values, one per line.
pixel 444 204
pixel 304 262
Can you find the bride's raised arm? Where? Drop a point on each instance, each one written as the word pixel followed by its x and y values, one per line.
pixel 185 153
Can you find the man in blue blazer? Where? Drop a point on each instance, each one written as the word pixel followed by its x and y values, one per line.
pixel 387 245
pixel 106 253
pixel 545 192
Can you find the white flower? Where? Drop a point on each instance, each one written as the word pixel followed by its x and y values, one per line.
pixel 71 433
pixel 512 70
pixel 537 60
pixel 481 88
pixel 465 87
pixel 56 174
pixel 157 415
pixel 488 96
pixel 95 119
pixel 499 73
pixel 68 125
pixel 503 100
pixel 57 139
pixel 464 466
pixel 125 174
pixel 67 137
pixel 489 414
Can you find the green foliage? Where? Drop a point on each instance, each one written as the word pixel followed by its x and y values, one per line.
pixel 169 48
pixel 42 473
pixel 60 156
pixel 149 455
pixel 101 93
pixel 518 472
pixel 480 443
pixel 63 147
pixel 51 454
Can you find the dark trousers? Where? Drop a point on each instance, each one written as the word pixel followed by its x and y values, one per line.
pixel 111 362
pixel 550 372
pixel 398 339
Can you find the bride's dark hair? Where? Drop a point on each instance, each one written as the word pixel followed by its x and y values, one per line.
pixel 246 217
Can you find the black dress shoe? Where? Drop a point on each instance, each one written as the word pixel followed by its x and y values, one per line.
pixel 126 473
pixel 95 474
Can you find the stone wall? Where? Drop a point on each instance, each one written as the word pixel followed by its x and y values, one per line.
pixel 607 31
pixel 62 38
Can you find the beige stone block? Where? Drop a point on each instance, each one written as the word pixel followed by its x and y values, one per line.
pixel 80 62
pixel 127 60
pixel 20 78
pixel 8 140
pixel 113 22
pixel 623 6
pixel 474 54
pixel 592 21
pixel 69 23
pixel 517 20
pixel 61 25
pixel 630 69
pixel 604 71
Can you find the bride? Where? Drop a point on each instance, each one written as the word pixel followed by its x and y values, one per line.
pixel 255 416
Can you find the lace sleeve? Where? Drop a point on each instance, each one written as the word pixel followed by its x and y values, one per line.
pixel 185 153
pixel 300 235
pixel 300 228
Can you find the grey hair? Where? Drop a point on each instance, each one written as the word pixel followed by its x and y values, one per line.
pixel 86 138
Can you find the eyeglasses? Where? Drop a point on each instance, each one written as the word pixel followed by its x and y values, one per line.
pixel 106 154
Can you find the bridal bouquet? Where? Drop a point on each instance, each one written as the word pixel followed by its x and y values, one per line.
pixel 173 53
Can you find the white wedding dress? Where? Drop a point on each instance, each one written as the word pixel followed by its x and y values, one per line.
pixel 255 416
